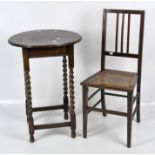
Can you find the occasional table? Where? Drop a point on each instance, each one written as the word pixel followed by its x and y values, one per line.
pixel 49 43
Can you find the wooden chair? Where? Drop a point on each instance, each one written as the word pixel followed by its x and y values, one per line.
pixel 115 79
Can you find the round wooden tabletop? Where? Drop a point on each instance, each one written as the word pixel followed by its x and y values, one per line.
pixel 44 38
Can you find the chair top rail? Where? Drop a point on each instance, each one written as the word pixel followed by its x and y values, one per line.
pixel 124 11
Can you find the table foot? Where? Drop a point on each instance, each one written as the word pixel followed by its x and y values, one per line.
pixel 31 138
pixel 73 134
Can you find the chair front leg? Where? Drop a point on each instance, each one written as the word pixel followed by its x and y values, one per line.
pixel 85 111
pixel 103 102
pixel 129 118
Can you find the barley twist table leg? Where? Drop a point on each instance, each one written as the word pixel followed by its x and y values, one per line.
pixel 26 109
pixel 65 88
pixel 72 102
pixel 29 104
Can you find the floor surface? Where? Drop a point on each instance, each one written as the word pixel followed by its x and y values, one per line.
pixel 105 135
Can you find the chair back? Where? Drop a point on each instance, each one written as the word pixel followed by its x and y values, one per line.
pixel 119 49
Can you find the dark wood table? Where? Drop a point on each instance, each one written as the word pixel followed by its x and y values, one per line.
pixel 49 43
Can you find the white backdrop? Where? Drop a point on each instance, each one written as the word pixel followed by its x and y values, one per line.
pixel 84 18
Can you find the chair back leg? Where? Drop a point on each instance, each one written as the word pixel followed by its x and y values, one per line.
pixel 138 103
